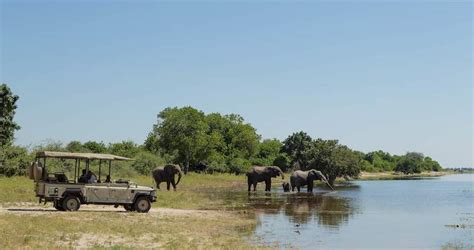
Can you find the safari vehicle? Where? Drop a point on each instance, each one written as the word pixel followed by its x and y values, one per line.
pixel 68 194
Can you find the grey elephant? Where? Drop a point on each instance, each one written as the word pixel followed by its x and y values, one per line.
pixel 306 178
pixel 286 187
pixel 259 174
pixel 167 173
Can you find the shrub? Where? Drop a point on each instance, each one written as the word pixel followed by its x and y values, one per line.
pixel 145 162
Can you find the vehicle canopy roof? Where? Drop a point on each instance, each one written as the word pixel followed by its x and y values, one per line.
pixel 81 156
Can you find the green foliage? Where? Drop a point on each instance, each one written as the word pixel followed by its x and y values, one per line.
pixel 182 131
pixel 218 142
pixel 75 146
pixel 283 162
pixel 97 147
pixel 7 112
pixel 211 143
pixel 380 161
pixel 124 148
pixel 413 162
pixel 333 159
pixel 296 146
pixel 144 162
pixel 15 161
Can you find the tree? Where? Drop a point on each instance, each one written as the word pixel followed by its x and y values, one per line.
pixel 7 112
pixel 183 131
pixel 144 162
pixel 95 147
pixel 333 159
pixel 410 163
pixel 125 148
pixel 15 161
pixel 75 146
pixel 296 147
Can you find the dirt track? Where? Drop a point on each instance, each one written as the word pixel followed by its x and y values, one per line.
pixel 36 209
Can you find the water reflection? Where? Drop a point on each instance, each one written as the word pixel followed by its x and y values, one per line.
pixel 301 208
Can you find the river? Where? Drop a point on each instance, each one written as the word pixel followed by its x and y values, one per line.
pixel 417 213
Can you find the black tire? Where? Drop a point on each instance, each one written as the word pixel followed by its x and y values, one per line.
pixel 129 207
pixel 58 204
pixel 142 204
pixel 71 203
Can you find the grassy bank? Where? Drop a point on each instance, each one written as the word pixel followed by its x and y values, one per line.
pixel 190 217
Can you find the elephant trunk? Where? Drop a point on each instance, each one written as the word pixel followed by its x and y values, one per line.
pixel 179 177
pixel 282 175
pixel 323 179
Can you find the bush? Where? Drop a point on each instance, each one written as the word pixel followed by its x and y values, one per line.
pixel 283 162
pixel 145 162
pixel 14 160
pixel 239 166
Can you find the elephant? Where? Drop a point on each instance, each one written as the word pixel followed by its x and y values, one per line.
pixel 286 187
pixel 305 178
pixel 167 173
pixel 258 174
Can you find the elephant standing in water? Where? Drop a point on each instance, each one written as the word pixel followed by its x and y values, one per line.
pixel 167 173
pixel 259 174
pixel 306 178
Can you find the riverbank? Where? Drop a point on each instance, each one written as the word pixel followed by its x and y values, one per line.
pixel 200 214
pixel 190 217
pixel 396 175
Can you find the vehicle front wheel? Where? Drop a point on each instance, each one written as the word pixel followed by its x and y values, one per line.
pixel 71 203
pixel 58 204
pixel 142 204
pixel 129 207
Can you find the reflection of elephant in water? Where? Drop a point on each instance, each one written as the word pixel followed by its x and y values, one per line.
pixel 259 174
pixel 167 174
pixel 306 178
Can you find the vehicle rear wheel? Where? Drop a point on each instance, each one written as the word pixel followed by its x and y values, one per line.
pixel 142 204
pixel 58 204
pixel 71 203
pixel 129 207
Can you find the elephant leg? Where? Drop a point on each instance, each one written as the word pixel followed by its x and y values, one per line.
pixel 249 182
pixel 173 183
pixel 310 187
pixel 158 185
pixel 254 186
pixel 292 188
pixel 298 188
pixel 268 185
pixel 168 184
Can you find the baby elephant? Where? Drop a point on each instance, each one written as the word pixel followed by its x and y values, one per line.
pixel 286 187
pixel 306 178
pixel 167 173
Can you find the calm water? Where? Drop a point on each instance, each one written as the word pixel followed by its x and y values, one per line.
pixel 420 213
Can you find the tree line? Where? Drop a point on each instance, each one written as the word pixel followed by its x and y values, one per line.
pixel 212 143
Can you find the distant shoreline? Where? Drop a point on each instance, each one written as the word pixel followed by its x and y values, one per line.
pixel 394 175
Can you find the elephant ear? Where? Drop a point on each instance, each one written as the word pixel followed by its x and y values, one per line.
pixel 268 170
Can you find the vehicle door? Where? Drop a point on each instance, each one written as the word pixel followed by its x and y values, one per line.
pixel 96 193
pixel 120 193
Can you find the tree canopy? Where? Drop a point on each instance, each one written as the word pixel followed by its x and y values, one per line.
pixel 213 143
pixel 7 113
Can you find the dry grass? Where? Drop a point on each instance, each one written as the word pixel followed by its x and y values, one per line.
pixel 170 224
pixel 106 229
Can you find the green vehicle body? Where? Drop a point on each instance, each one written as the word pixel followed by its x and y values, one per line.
pixel 68 195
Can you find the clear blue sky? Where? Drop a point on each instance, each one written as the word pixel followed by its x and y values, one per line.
pixel 392 76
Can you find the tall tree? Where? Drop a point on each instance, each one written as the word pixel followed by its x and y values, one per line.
pixel 296 146
pixel 183 131
pixel 7 112
pixel 334 160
